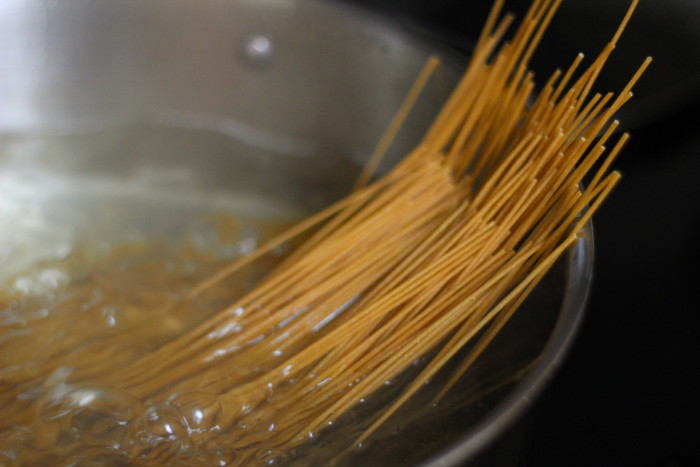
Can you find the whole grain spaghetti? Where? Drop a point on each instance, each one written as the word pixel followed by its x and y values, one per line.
pixel 434 256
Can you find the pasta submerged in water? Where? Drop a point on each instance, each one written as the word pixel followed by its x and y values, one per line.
pixel 435 255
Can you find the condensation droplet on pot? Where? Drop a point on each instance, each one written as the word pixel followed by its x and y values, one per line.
pixel 257 50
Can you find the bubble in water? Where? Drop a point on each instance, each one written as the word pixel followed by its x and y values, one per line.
pixel 164 422
pixel 200 411
pixel 12 441
pixel 95 457
pixel 270 457
pixel 41 282
pixel 88 416
pixel 218 454
pixel 110 315
pixel 184 424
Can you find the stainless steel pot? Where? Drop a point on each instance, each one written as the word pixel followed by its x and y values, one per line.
pixel 119 113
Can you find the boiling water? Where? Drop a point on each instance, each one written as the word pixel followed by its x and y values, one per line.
pixel 103 236
pixel 108 308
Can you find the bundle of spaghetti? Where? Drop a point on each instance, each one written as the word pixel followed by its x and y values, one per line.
pixel 440 251
pixel 434 256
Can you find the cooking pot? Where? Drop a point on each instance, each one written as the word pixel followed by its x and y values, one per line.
pixel 130 116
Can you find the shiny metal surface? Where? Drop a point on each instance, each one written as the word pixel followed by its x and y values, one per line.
pixel 79 64
pixel 106 104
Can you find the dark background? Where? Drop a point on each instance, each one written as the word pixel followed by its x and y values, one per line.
pixel 628 391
